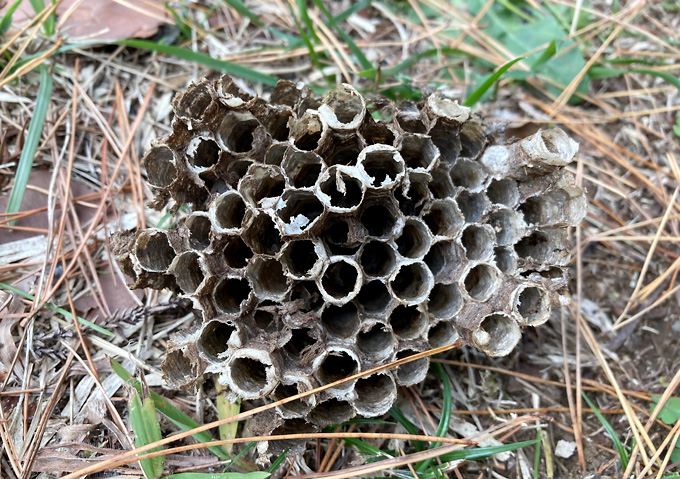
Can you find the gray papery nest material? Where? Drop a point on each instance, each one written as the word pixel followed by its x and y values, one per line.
pixel 323 241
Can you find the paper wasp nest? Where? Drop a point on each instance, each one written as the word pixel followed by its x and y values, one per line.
pixel 323 242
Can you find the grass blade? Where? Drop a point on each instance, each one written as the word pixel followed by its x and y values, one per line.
pixel 600 72
pixel 147 430
pixel 241 8
pixel 401 418
pixel 623 454
pixel 48 25
pixel 485 452
pixel 177 417
pixel 277 462
pixel 479 92
pixel 547 54
pixel 6 21
pixel 219 475
pixel 412 60
pixel 56 309
pixel 203 59
pixel 32 139
pixel 444 420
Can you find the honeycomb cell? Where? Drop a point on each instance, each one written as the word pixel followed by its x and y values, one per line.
pixel 250 373
pixel 188 272
pixel 418 151
pixel 230 295
pixel 332 411
pixel 237 130
pixel 376 343
pixel 199 231
pixel 341 321
pixel 267 278
pixel 412 372
pixel 262 185
pixel 374 297
pixel 556 208
pixel 301 341
pixel 261 234
pixel 533 305
pixel 412 282
pixel 441 334
pixel 236 253
pixel 298 408
pixel 306 132
pixel 472 205
pixel 478 242
pixel 303 259
pixel 481 281
pixel 408 322
pixel 441 257
pixel 443 218
pixel 343 109
pixel 505 259
pixel 382 165
pixel 503 192
pixel 153 251
pixel 194 102
pixel 378 259
pixel 341 149
pixel 375 395
pixel 414 241
pixel 378 133
pixel 410 119
pixel 338 364
pixel 227 212
pixel 340 280
pixel 445 301
pixel 545 245
pixel 302 168
pixel 472 138
pixel 441 186
pixel 508 225
pixel 341 189
pixel 468 174
pixel 414 195
pixel 159 163
pixel 379 218
pixel 498 334
pixel 342 235
pixel 298 211
pixel 202 153
pixel 214 338
pixel 275 154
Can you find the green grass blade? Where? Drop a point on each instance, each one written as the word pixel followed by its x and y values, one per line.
pixel 304 16
pixel 306 38
pixel 488 83
pixel 413 59
pixel 271 469
pixel 219 475
pixel 537 454
pixel 203 59
pixel 365 64
pixel 600 72
pixel 401 418
pixel 444 420
pixel 184 28
pixel 623 454
pixel 32 140
pixel 365 448
pixel 356 7
pixel 6 21
pixel 56 309
pixel 147 430
pixel 547 54
pixel 241 8
pixel 48 25
pixel 177 417
pixel 479 453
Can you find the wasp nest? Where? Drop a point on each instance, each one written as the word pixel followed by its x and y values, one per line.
pixel 323 241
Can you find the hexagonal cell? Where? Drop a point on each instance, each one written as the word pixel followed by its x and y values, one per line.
pixel 374 297
pixel 408 322
pixel 446 141
pixel 236 132
pixel 250 373
pixel 472 205
pixel 472 138
pixel 262 185
pixel 377 133
pixel 414 195
pixel 302 168
pixel 412 282
pixel 508 225
pixel 290 426
pixel 410 119
pixel 556 208
pixel 194 102
pixel 214 338
pixel 266 275
pixel 300 342
pixel 414 240
pixel 179 369
pixel 549 147
pixel 341 150
pixel 377 259
pixel 235 170
pixel 418 151
pixel 505 259
pixel 303 258
pixel 297 408
pixel 533 305
pixel 443 218
pixel 441 257
pixel 236 252
pixel 445 301
pixel 343 108
pixel 468 174
pixel 277 123
pixel 377 343
pixel 202 153
pixel 379 217
pixel 550 244
pixel 478 242
pixel 503 192
pixel 287 93
pixel 412 372
pixel 332 411
pixel 338 364
pixel 306 132
pixel 199 227
pixel 441 185
pixel 188 272
pixel 375 395
pixel 441 334
pixel 298 211
pixel 231 295
pixel 261 234
pixel 498 334
pixel 481 281
pixel 383 165
pixel 340 280
pixel 306 296
pixel 266 322
pixel 153 251
pixel 227 212
pixel 342 235
pixel 341 321
pixel 341 190
pixel 159 162
pixel 275 154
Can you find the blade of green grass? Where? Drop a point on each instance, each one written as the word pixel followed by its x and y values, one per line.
pixel 401 418
pixel 6 21
pixel 444 420
pixel 365 64
pixel 623 454
pixel 56 309
pixel 48 25
pixel 365 448
pixel 488 83
pixel 147 430
pixel 32 140
pixel 306 38
pixel 547 54
pixel 241 8
pixel 537 453
pixel 219 475
pixel 479 453
pixel 304 16
pixel 184 28
pixel 600 72
pixel 342 16
pixel 177 417
pixel 271 469
pixel 413 59
pixel 203 59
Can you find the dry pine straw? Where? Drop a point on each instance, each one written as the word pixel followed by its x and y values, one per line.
pixel 625 260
